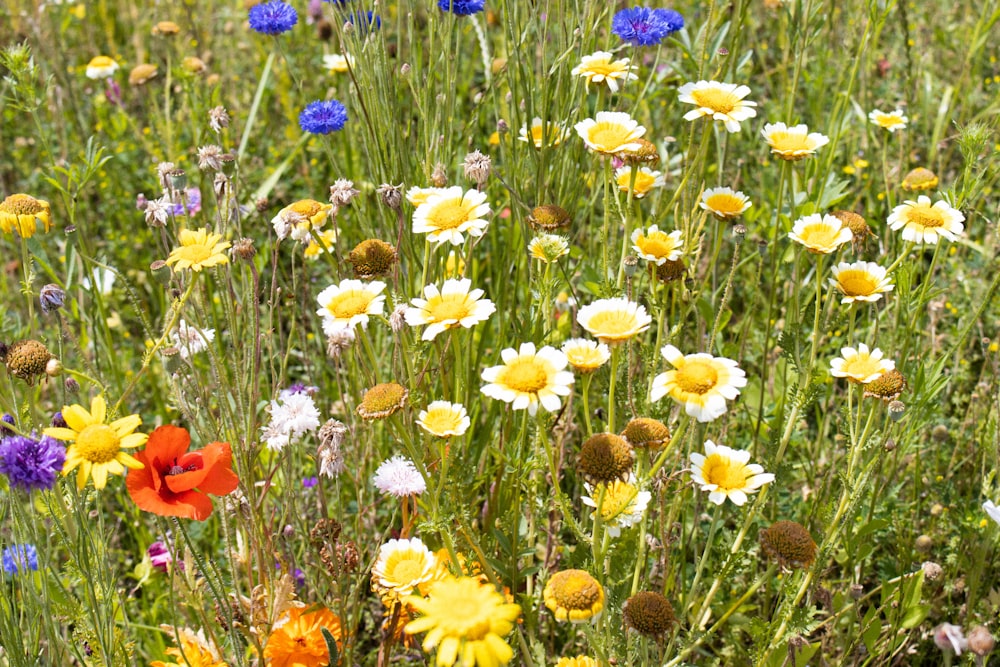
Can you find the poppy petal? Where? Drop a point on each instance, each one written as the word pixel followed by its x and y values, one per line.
pixel 165 445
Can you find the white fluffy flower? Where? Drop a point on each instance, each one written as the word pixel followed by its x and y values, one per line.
pixel 292 417
pixel 191 340
pixel 399 477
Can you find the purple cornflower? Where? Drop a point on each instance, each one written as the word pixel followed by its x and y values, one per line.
pixel 310 482
pixel 273 18
pixel 323 117
pixel 4 431
pixel 462 7
pixel 364 22
pixel 193 204
pixel 31 463
pixel 20 558
pixel 642 26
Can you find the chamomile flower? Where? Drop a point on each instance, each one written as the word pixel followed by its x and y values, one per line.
pixel 725 203
pixel 718 101
pixel 792 143
pixel 600 67
pixel 614 321
pixel 529 378
pixel 454 305
pixel 449 215
pixel 586 356
pixel 726 473
pixel 444 419
pixel 645 180
pixel 892 121
pixel 700 382
pixel 622 505
pixel 657 246
pixel 350 303
pixel 860 365
pixel 923 222
pixel 610 132
pixel 821 234
pixel 860 281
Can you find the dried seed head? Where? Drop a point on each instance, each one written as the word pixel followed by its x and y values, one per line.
pixel 549 217
pixel 671 270
pixel 646 432
pixel 51 297
pixel 397 320
pixel 924 543
pixel 646 154
pixel 649 614
pixel 243 249
pixel 210 157
pixel 605 457
pixel 194 64
pixel 372 258
pixel 858 226
pixel 940 433
pixel 166 28
pixel 439 178
pixel 789 544
pixel 888 387
pixel 140 74
pixel 920 179
pixel 218 118
pixel 476 168
pixel 342 192
pixel 391 195
pixel 27 359
pixel 981 642
pixel 338 341
pixel 932 571
pixel 896 410
pixel 382 401
pixel 330 454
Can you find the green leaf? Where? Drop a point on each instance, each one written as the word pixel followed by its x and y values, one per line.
pixel 915 615
pixel 872 629
pixel 331 646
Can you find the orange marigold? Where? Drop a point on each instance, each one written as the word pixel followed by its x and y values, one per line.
pixel 299 642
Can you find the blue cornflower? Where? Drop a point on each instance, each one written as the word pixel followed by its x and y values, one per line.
pixel 31 463
pixel 462 7
pixel 4 431
pixel 323 117
pixel 642 26
pixel 364 21
pixel 20 558
pixel 273 18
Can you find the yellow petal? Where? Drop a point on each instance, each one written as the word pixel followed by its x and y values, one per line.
pixel 128 461
pixel 98 409
pixel 65 434
pixel 133 440
pixel 126 425
pixel 82 474
pixel 73 459
pixel 115 467
pixel 77 417
pixel 100 473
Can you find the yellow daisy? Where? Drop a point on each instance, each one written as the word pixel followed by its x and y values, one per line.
pixel 657 246
pixel 542 133
pixel 101 67
pixel 860 365
pixel 725 203
pixel 578 661
pixel 585 356
pixel 327 237
pixel 574 596
pixel 444 419
pixel 599 67
pixel 193 650
pixel 297 219
pixel 447 215
pixel 349 304
pixel 645 180
pixel 718 101
pixel 889 121
pixel 465 620
pixel 821 234
pixel 20 213
pixel 199 250
pixel 792 143
pixel 923 222
pixel 401 566
pixel 454 305
pixel 726 473
pixel 548 247
pixel 528 378
pixel 861 281
pixel 614 321
pixel 610 133
pixel 700 382
pixel 97 447
pixel 622 506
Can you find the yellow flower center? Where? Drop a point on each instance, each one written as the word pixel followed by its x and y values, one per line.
pixel 527 376
pixel 307 207
pixel 349 303
pixel 603 68
pixel 719 101
pixel 819 236
pixel 612 322
pixel 577 590
pixel 195 254
pixel 98 443
pixel 856 282
pixel 725 204
pixel 697 376
pixel 724 473
pixel 861 366
pixel 406 570
pixel 440 420
pixel 449 214
pixel 467 617
pixel 658 245
pixel 617 499
pixel 21 205
pixel 609 136
pixel 449 307
pixel 890 121
pixel 101 61
pixel 585 358
pixel 784 142
pixel 925 215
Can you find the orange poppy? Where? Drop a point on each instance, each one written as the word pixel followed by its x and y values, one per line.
pixel 299 641
pixel 174 481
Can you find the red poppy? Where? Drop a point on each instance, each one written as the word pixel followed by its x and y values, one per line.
pixel 174 481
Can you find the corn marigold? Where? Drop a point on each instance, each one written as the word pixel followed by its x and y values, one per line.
pixel 297 638
pixel 21 213
pixel 529 378
pixel 700 382
pixel 199 250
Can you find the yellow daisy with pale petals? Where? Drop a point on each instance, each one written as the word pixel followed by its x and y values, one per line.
pixel 466 620
pixel 417 196
pixel 101 67
pixel 614 321
pixel 97 447
pixel 889 121
pixel 821 234
pixel 923 222
pixel 548 247
pixel 860 365
pixel 574 596
pixel 578 661
pixel 599 67
pixel 349 304
pixel 645 180
pixel 454 305
pixel 727 473
pixel 299 218
pixel 718 101
pixel 657 246
pixel 725 203
pixel 792 143
pixel 611 132
pixel 21 213
pixel 402 566
pixel 586 356
pixel 327 237
pixel 448 215
pixel 700 382
pixel 861 281
pixel 337 63
pixel 529 378
pixel 199 250
pixel 444 419
pixel 542 133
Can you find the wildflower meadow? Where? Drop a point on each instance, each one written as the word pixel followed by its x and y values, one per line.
pixel 497 332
